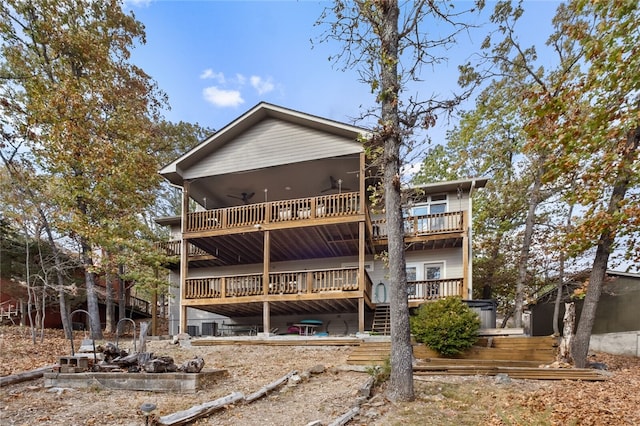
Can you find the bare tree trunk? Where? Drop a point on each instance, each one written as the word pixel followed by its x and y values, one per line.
pixel 569 323
pixel 603 251
pixel 588 315
pixel 109 307
pixel 92 295
pixel 122 306
pixel 523 262
pixel 401 378
pixel 556 306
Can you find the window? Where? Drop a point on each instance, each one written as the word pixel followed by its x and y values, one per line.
pixel 435 204
pixel 433 271
pixel 411 276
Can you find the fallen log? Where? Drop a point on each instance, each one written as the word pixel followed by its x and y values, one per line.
pixel 25 376
pixel 263 391
pixel 199 411
pixel 346 417
pixel 365 390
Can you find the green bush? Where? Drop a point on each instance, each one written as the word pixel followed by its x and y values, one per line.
pixel 447 326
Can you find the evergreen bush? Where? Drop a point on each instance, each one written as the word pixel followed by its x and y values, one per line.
pixel 448 326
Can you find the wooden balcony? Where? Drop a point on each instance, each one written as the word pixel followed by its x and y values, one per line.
pixel 280 283
pixel 419 226
pixel 173 248
pixel 322 288
pixel 197 257
pixel 275 212
pixel 424 291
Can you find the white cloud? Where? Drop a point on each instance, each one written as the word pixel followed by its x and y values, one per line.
pixel 210 74
pixel 262 86
pixel 221 97
pixel 241 79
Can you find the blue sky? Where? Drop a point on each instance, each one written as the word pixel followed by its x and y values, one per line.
pixel 217 59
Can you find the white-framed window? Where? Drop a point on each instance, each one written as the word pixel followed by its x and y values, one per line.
pixel 434 271
pixel 434 204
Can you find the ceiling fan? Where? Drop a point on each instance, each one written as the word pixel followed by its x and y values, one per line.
pixel 245 196
pixel 335 184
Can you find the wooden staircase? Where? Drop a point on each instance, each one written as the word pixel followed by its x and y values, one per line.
pixel 382 320
pixel 370 353
pixel 518 357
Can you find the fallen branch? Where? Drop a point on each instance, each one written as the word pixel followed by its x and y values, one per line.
pixel 263 391
pixel 199 411
pixel 346 417
pixel 365 389
pixel 25 376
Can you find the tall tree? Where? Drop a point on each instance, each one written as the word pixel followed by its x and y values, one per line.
pixel 504 136
pixel 89 115
pixel 389 45
pixel 600 142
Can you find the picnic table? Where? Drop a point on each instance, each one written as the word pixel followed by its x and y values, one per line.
pixel 307 327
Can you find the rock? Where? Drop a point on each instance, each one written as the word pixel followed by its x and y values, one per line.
pixel 598 365
pixel 194 365
pixel 317 369
pixel 294 380
pixel 179 337
pixel 305 376
pixel 502 379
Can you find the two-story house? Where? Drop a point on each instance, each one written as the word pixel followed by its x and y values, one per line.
pixel 284 230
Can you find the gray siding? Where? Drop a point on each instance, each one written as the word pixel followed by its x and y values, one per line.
pixel 271 143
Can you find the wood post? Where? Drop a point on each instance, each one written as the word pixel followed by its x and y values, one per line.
pixel 361 314
pixel 184 257
pixel 466 248
pixel 266 317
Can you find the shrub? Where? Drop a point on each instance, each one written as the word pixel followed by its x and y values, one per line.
pixel 447 326
pixel 380 373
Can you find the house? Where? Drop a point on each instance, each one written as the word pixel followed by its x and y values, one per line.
pixel 284 231
pixel 616 327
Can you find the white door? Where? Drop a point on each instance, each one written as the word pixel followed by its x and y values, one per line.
pixel 433 271
pixel 423 271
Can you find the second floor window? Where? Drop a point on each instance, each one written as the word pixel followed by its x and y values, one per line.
pixel 434 204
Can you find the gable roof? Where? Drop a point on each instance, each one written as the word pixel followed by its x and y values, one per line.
pixel 266 135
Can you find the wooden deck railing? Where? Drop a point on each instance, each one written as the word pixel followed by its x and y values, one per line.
pixel 434 289
pixel 275 211
pixel 138 304
pixel 424 224
pixel 173 248
pixel 292 282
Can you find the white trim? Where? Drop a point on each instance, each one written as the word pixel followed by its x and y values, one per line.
pixel 368 266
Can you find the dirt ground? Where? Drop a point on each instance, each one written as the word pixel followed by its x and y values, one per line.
pixel 440 400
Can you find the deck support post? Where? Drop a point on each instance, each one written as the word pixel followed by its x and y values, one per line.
pixel 466 249
pixel 184 257
pixel 266 255
pixel 361 314
pixel 266 318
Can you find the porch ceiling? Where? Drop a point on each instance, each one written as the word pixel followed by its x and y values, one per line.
pixel 289 181
pixel 332 240
pixel 307 307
